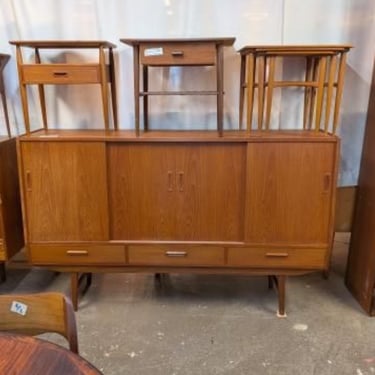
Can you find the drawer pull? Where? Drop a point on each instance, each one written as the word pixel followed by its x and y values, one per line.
pixel 176 254
pixel 277 255
pixel 177 53
pixel 60 74
pixel 77 252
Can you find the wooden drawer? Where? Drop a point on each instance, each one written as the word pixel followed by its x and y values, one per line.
pixel 61 73
pixel 170 255
pixel 77 254
pixel 308 258
pixel 178 54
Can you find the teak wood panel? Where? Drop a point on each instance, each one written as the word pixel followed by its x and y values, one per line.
pixel 289 192
pixel 11 228
pixel 65 186
pixel 177 191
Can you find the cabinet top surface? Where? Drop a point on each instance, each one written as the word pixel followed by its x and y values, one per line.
pixel 297 48
pixel 62 43
pixel 178 136
pixel 227 41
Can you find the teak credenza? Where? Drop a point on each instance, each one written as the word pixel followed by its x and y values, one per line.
pixel 114 201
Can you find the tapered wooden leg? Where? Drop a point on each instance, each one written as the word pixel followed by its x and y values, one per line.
pixel 145 97
pixel 136 87
pixel 330 87
pixel 320 91
pixel 74 278
pixel 104 86
pixel 112 80
pixel 308 91
pixel 42 97
pixel 281 279
pixel 251 67
pixel 271 78
pixel 220 87
pixel 339 91
pixel 242 89
pixel 261 86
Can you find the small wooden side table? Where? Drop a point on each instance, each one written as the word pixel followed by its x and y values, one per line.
pixel 323 83
pixel 4 58
pixel 67 73
pixel 177 52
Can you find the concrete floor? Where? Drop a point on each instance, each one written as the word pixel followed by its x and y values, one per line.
pixel 217 324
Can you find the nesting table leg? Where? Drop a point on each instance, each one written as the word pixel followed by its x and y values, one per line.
pixel 136 87
pixel 242 89
pixel 112 80
pixel 261 85
pixel 220 87
pixel 145 97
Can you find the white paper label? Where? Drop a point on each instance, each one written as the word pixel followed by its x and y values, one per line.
pixel 153 51
pixel 18 308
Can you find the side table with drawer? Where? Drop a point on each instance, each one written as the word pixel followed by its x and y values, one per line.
pixel 177 52
pixel 41 73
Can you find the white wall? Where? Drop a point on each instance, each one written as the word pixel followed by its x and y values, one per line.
pixel 250 21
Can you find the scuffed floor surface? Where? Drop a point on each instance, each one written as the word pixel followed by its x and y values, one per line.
pixel 216 324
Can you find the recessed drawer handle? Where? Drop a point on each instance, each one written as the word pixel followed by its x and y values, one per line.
pixel 277 255
pixel 60 74
pixel 176 254
pixel 77 252
pixel 177 53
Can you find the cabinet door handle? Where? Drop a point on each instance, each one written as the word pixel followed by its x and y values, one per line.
pixel 28 181
pixel 181 181
pixel 177 53
pixel 77 252
pixel 277 255
pixel 170 181
pixel 60 74
pixel 326 182
pixel 176 254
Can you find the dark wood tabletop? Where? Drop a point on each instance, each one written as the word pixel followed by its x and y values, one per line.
pixel 26 355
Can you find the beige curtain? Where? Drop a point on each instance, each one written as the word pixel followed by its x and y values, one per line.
pixel 250 21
